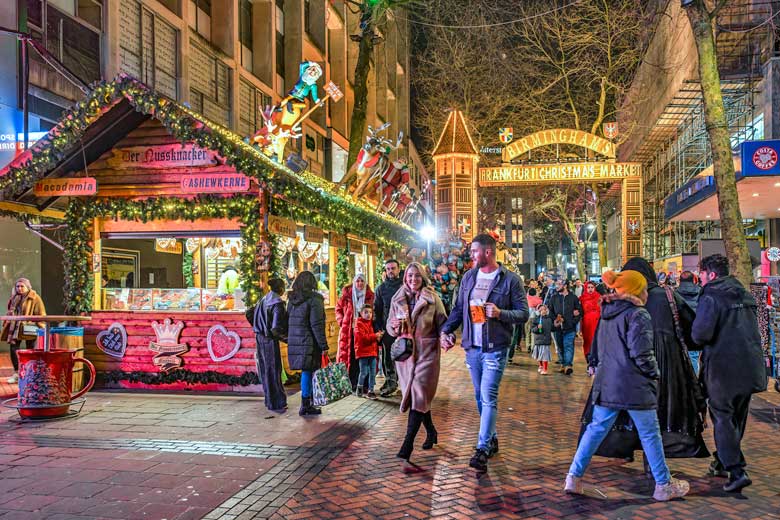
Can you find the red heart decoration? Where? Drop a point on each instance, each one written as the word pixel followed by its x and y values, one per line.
pixel 221 343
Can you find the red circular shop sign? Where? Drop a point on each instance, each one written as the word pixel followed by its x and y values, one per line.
pixel 765 158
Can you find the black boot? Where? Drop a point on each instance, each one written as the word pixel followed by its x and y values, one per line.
pixel 412 427
pixel 307 408
pixel 432 436
pixel 738 479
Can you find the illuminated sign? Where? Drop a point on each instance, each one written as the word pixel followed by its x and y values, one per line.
pixel 559 136
pixel 214 183
pixel 565 172
pixel 15 142
pixel 168 156
pixel 73 187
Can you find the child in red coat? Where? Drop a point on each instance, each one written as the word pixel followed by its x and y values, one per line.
pixel 366 350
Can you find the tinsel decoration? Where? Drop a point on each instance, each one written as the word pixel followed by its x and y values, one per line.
pixel 186 266
pixel 342 271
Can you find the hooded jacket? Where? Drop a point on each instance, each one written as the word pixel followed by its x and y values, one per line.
pixel 271 317
pixel 726 327
pixel 306 339
pixel 627 372
pixel 365 339
pixel 689 292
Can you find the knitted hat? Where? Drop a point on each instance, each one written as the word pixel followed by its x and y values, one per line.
pixel 625 282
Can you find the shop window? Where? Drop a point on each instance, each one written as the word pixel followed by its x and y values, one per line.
pixel 280 38
pixel 148 48
pixel 70 30
pixel 171 273
pixel 209 85
pixel 200 17
pixel 251 101
pixel 298 255
pixel 245 32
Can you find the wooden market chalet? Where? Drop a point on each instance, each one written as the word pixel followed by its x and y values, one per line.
pixel 172 225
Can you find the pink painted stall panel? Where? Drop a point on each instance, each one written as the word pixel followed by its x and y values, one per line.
pixel 221 343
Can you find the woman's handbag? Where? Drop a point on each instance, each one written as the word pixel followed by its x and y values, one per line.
pixel 402 349
pixel 30 330
pixel 330 383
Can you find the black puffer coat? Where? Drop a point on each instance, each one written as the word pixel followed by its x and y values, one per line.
pixel 627 371
pixel 306 340
pixel 726 327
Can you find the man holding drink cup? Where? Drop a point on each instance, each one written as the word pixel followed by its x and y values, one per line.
pixel 491 301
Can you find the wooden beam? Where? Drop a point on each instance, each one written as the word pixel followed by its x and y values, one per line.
pixel 32 210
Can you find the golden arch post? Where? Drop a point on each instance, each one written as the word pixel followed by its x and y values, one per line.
pixel 585 172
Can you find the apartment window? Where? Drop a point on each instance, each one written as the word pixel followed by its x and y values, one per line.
pixel 307 15
pixel 463 195
pixel 245 32
pixel 148 48
pixel 70 30
pixel 444 196
pixel 280 37
pixel 200 17
pixel 209 85
pixel 251 101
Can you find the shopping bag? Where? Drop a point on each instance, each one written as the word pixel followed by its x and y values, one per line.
pixel 330 384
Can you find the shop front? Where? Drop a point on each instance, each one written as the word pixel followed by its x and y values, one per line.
pixel 174 232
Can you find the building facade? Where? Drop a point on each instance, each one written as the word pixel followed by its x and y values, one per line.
pixel 226 59
pixel 662 120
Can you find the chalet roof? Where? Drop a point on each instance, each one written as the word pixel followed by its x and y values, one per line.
pixel 455 138
pixel 113 109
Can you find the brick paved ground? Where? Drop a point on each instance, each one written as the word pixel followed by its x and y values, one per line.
pixel 132 456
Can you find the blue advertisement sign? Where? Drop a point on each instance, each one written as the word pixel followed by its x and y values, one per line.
pixel 760 158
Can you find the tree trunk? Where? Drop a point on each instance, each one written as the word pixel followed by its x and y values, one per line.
pixel 580 249
pixel 600 236
pixel 732 230
pixel 358 124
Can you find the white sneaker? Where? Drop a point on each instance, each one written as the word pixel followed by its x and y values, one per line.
pixel 675 488
pixel 13 379
pixel 573 485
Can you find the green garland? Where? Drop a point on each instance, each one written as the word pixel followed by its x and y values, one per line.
pixel 316 200
pixel 342 271
pixel 186 266
pixel 82 211
pixel 181 376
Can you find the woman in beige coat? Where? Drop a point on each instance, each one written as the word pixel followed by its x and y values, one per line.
pixel 23 302
pixel 418 305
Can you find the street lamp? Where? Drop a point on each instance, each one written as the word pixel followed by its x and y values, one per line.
pixel 428 233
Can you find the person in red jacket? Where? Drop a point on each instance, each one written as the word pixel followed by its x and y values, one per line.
pixel 352 299
pixel 366 351
pixel 591 312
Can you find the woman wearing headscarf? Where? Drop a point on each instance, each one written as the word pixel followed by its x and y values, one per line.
pixel 680 398
pixel 24 301
pixel 353 298
pixel 417 309
pixel 591 311
pixel 306 340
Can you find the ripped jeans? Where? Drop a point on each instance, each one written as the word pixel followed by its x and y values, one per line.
pixel 486 371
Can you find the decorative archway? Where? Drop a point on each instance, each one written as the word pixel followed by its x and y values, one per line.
pixel 582 172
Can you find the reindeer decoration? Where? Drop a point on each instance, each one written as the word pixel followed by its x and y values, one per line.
pixel 372 161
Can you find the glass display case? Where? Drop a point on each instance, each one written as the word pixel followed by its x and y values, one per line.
pixel 180 300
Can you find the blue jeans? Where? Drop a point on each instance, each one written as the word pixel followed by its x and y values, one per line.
pixel 646 422
pixel 694 355
pixel 306 383
pixel 486 371
pixel 568 348
pixel 367 370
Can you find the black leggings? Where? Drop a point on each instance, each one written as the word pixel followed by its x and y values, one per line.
pixel 17 345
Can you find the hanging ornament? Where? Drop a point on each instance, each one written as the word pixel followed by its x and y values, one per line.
pixel 308 251
pixel 192 244
pixel 292 269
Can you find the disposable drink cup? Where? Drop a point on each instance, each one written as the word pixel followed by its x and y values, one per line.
pixel 477 310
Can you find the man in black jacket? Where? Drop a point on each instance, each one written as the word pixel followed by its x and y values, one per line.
pixel 382 297
pixel 726 327
pixel 566 312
